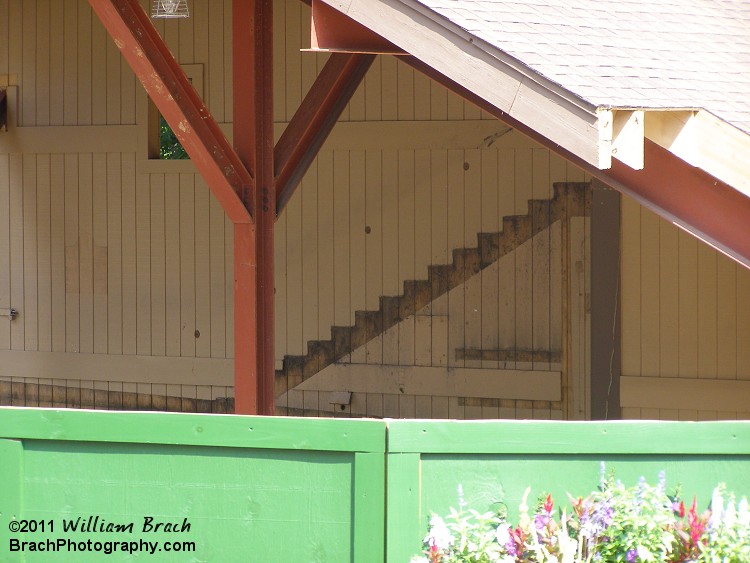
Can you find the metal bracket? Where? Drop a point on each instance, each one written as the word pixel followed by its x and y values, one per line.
pixel 8 312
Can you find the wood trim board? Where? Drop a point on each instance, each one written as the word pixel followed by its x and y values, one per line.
pixel 126 368
pixel 683 393
pixel 437 381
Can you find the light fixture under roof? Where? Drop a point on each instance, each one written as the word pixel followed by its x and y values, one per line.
pixel 170 9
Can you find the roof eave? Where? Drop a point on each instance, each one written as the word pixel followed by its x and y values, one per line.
pixel 507 84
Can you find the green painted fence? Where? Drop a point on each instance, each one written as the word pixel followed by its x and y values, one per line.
pixel 494 461
pixel 249 488
pixel 255 489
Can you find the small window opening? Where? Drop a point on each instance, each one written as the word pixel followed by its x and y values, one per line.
pixel 169 147
pixel 163 143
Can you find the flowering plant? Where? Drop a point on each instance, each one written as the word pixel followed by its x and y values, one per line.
pixel 615 523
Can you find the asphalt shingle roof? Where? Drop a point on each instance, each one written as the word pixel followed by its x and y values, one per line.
pixel 624 53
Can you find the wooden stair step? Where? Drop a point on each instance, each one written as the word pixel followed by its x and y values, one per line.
pixel 569 199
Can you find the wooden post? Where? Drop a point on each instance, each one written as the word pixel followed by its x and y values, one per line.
pixel 606 341
pixel 252 39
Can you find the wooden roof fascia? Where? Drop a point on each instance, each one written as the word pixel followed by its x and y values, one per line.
pixel 687 196
pixel 314 120
pixel 628 136
pixel 165 82
pixel 492 75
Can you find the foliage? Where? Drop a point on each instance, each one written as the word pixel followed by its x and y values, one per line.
pixel 614 523
pixel 169 147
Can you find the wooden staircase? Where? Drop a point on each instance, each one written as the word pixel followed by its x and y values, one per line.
pixel 569 200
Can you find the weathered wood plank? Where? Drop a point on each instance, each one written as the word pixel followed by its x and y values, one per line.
pixel 143 257
pixel 70 61
pixel 374 242
pixel 172 277
pixel 129 254
pixel 668 299
pixel 186 244
pixel 56 61
pixel 158 264
pixel 631 287
pixel 57 250
pixel 218 274
pixel 458 382
pixel 406 254
pixel 726 316
pixel 44 251
pixel 99 273
pixel 391 254
pixel 202 260
pixel 679 393
pixel 707 307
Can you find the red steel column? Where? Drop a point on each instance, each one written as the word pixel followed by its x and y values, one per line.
pixel 245 315
pixel 252 39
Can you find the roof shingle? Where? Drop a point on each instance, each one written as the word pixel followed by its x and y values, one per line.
pixel 624 53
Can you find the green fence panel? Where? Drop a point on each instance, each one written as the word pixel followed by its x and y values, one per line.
pixel 257 489
pixel 216 488
pixel 496 461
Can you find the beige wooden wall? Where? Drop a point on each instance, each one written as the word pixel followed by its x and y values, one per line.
pixel 121 267
pixel 388 226
pixel 685 324
pixel 106 252
pixel 419 205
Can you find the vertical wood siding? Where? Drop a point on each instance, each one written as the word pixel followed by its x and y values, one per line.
pixel 102 255
pixel 97 262
pixel 105 255
pixel 398 212
pixel 685 311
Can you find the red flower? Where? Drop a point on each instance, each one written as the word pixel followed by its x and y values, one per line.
pixel 435 556
pixel 548 504
pixel 578 507
pixel 696 524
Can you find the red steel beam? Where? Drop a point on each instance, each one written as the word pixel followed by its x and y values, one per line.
pixel 314 120
pixel 332 30
pixel 252 40
pixel 169 88
pixel 691 198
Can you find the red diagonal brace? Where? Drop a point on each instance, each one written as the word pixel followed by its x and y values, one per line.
pixel 169 88
pixel 314 120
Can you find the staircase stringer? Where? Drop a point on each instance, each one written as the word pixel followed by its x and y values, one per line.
pixel 570 199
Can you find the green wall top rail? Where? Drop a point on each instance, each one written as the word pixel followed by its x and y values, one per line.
pixel 194 429
pixel 555 437
pixel 403 436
